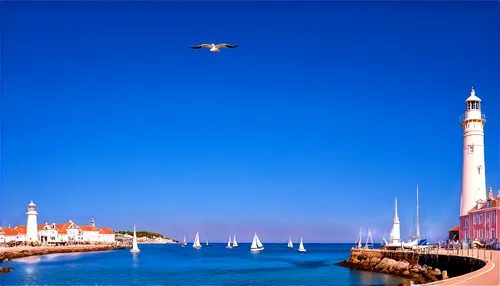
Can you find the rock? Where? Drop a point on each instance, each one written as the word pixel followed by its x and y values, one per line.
pixel 5 270
pixel 355 261
pixel 436 272
pixel 401 265
pixel 406 273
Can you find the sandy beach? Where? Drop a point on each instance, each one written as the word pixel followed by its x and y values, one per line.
pixel 24 251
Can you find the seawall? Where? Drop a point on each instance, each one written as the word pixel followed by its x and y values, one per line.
pixel 18 252
pixel 420 267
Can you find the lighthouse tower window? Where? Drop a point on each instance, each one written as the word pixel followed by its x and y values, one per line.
pixel 471 149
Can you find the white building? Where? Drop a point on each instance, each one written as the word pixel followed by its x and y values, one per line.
pixel 69 232
pixel 31 225
pixel 473 167
pixel 106 235
pixel 47 233
pixel 8 235
pixel 90 233
pixel 21 237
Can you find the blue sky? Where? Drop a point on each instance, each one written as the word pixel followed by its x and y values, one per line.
pixel 324 114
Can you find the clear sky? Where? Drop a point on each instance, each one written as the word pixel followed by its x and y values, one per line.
pixel 324 114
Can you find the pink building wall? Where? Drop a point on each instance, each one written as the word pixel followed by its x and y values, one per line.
pixel 480 224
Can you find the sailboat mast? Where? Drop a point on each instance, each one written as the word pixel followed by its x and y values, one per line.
pixel 417 234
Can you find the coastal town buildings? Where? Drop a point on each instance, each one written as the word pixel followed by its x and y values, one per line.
pixel 478 212
pixel 66 233
pixel 481 222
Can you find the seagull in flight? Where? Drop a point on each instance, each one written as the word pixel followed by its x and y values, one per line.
pixel 215 48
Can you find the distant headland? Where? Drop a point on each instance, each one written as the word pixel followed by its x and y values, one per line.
pixel 147 236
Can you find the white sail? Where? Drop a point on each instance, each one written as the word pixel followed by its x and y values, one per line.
pixel 290 243
pixel 196 243
pixel 301 246
pixel 235 244
pixel 229 242
pixel 135 248
pixel 259 244
pixel 358 239
pixel 184 243
pixel 369 240
pixel 254 242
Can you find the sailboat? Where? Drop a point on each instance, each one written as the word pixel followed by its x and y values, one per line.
pixel 301 246
pixel 420 243
pixel 396 242
pixel 369 240
pixel 196 243
pixel 208 245
pixel 184 243
pixel 414 243
pixel 290 243
pixel 135 248
pixel 235 244
pixel 229 243
pixel 357 244
pixel 256 244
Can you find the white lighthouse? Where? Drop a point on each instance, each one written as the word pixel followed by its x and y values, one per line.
pixel 473 168
pixel 32 225
pixel 396 231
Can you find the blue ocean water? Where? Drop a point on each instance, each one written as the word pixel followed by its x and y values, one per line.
pixel 173 264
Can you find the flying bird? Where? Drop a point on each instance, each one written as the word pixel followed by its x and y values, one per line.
pixel 215 48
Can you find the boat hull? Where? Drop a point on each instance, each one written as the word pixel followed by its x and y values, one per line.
pixel 257 249
pixel 302 250
pixel 197 247
pixel 135 251
pixel 228 246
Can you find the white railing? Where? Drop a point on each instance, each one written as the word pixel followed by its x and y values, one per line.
pixel 462 117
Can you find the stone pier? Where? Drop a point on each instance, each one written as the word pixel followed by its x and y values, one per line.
pixel 427 266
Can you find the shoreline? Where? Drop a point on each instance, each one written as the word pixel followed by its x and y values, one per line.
pixel 9 253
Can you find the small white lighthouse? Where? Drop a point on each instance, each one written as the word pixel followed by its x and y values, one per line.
pixel 473 168
pixel 32 225
pixel 396 228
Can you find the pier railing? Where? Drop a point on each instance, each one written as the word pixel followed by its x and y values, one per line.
pixel 484 254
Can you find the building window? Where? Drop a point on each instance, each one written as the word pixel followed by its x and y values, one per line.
pixel 493 233
pixel 471 149
pixel 480 233
pixel 474 219
pixel 466 222
pixel 480 219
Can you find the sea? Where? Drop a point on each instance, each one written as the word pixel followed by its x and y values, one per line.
pixel 160 264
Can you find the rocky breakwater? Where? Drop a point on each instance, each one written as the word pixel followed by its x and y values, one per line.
pixel 416 273
pixel 18 252
pixel 401 263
